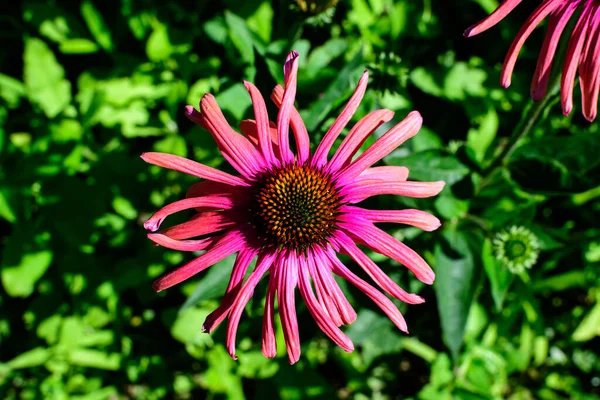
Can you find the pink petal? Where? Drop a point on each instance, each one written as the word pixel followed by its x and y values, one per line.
pixel 558 21
pixel 153 223
pixel 287 273
pixel 321 268
pixel 326 301
pixel 322 320
pixel 200 224
pixel 532 22
pixel 298 127
pixel 359 191
pixel 242 261
pixel 589 69
pixel 378 298
pixel 320 157
pixel 573 57
pixel 262 123
pixel 183 245
pixel 229 243
pixel 192 168
pixel 498 15
pixel 283 118
pixel 248 128
pixel 269 343
pixel 383 243
pixel 374 272
pixel 383 174
pixel 236 149
pixel 265 260
pixel 356 137
pixel 420 219
pixel 403 131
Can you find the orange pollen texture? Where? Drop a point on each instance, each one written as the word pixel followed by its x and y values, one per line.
pixel 297 207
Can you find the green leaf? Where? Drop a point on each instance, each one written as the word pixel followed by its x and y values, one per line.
pixel 261 21
pixel 124 207
pixel 499 276
pixel 376 334
pixel 95 359
pixel 32 358
pixel 589 327
pixel 432 166
pixel 159 47
pixel 67 130
pixel 240 36
pixel 44 78
pixel 96 25
pixel 454 286
pixel 344 82
pixel 77 46
pixel 6 209
pixel 11 90
pixel 212 285
pixel 19 280
pixel 464 81
pixel 479 139
pixel 234 100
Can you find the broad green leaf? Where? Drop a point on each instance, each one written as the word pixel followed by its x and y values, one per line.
pixel 19 280
pixel 6 208
pixel 98 28
pixel 234 100
pixel 432 166
pixel 261 21
pixel 479 139
pixel 464 81
pixel 187 328
pixel 454 286
pixel 44 78
pixel 589 327
pixel 425 81
pixel 499 276
pixel 376 334
pixel 66 130
pixel 95 359
pixel 78 46
pixel 11 90
pixel 212 285
pixel 220 378
pixel 32 358
pixel 124 207
pixel 240 36
pixel 159 47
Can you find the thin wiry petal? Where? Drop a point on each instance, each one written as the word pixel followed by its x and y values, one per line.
pixel 283 118
pixel 498 15
pixel 214 202
pixel 262 123
pixel 183 245
pixel 287 273
pixel 201 224
pixel 298 127
pixel 359 191
pixel 417 218
pixel 269 343
pixel 320 156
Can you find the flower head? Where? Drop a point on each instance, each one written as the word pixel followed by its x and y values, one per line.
pixel 517 248
pixel 294 213
pixel 583 51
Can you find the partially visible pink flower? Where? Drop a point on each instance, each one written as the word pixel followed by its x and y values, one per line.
pixel 583 52
pixel 294 213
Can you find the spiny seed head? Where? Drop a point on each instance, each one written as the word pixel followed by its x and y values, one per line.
pixel 296 207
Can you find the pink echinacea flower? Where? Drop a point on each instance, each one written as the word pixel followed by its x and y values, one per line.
pixel 583 50
pixel 294 213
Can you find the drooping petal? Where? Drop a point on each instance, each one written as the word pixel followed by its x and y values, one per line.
pixel 322 320
pixel 190 167
pixel 532 22
pixel 383 174
pixel 498 15
pixel 378 298
pixel 269 343
pixel 283 118
pixel 262 123
pixel 357 192
pixel 287 273
pixel 558 21
pixel 589 69
pixel 183 245
pixel 242 261
pixel 417 218
pixel 214 202
pixel 298 127
pixel 229 243
pixel 374 272
pixel 236 149
pixel 320 157
pixel 356 137
pixel 385 244
pixel 201 224
pixel 321 266
pixel 264 262
pixel 393 138
pixel 573 57
pixel 326 301
pixel 214 189
pixel 248 128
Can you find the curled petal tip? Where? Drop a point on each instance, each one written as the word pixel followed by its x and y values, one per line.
pixel 468 32
pixel 292 55
pixel 505 83
pixel 590 116
pixel 157 286
pixel 152 225
pixel 189 110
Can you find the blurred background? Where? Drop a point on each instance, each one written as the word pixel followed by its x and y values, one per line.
pixel 86 87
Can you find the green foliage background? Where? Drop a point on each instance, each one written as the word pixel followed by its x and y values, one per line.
pixel 86 87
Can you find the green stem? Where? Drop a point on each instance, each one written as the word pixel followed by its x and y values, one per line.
pixel 534 112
